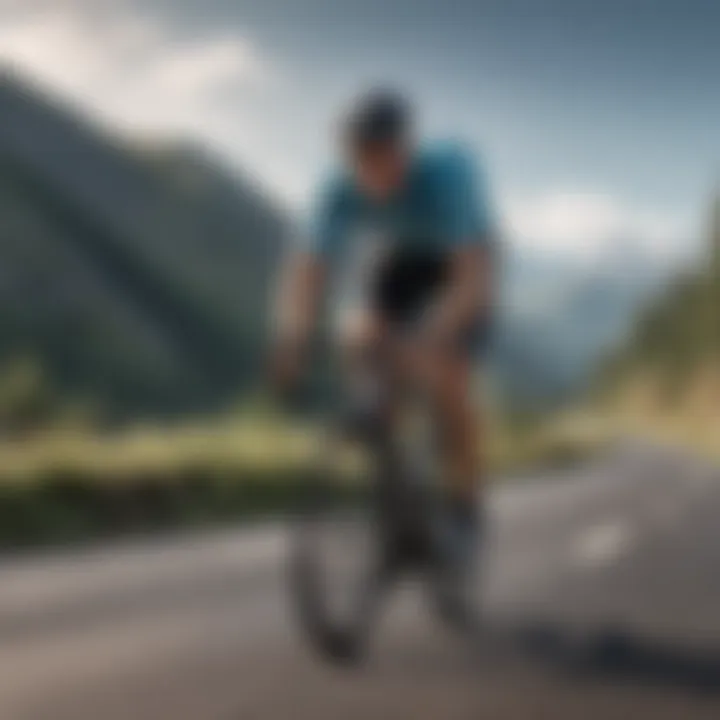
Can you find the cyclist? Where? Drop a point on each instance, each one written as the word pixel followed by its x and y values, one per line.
pixel 427 207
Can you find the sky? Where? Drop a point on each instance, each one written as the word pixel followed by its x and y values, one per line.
pixel 597 122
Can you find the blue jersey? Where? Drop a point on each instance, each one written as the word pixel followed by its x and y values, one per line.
pixel 443 204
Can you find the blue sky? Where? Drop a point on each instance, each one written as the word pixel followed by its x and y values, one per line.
pixel 598 120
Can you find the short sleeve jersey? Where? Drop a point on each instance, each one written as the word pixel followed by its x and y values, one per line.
pixel 443 204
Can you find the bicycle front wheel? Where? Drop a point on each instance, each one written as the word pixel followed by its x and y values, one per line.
pixel 337 564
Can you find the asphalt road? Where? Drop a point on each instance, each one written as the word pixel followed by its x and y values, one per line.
pixel 602 600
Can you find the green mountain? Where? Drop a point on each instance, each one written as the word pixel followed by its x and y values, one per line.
pixel 137 277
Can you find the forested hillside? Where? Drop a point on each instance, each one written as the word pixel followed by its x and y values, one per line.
pixel 680 333
pixel 665 382
pixel 136 278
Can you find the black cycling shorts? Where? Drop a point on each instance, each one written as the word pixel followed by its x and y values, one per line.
pixel 407 282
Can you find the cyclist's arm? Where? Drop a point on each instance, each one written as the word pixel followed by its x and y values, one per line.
pixel 469 294
pixel 469 228
pixel 299 298
pixel 303 279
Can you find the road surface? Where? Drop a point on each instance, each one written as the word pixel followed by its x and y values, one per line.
pixel 603 600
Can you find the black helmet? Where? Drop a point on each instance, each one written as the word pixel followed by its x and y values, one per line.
pixel 378 117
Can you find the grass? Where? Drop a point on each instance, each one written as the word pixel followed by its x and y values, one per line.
pixel 688 417
pixel 263 447
pixel 231 446
pixel 67 486
pixel 550 444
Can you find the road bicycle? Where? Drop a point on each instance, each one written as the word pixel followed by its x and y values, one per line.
pixel 369 514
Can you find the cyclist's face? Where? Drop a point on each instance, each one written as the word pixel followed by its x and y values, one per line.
pixel 380 171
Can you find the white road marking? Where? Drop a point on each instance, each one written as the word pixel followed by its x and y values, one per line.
pixel 602 544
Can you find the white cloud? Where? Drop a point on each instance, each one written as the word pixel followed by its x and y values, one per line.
pixel 589 224
pixel 131 69
pixel 197 69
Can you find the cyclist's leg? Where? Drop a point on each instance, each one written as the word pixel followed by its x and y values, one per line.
pixel 462 523
pixel 459 411
pixel 459 421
